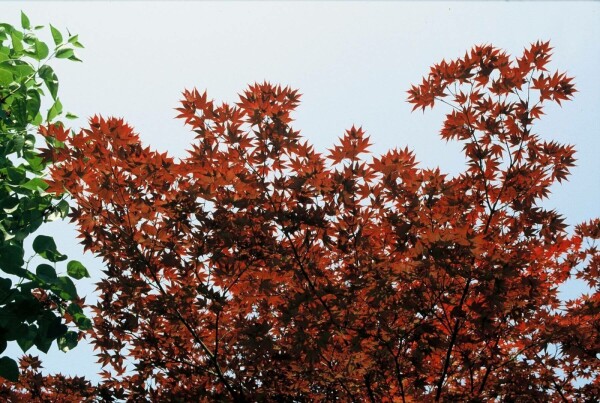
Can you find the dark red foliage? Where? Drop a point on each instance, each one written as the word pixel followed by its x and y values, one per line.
pixel 258 269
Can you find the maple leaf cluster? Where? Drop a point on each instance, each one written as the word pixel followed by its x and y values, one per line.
pixel 259 269
pixel 35 387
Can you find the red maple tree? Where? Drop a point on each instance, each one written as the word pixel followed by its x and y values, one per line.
pixel 257 269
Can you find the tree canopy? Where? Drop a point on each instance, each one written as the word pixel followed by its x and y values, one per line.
pixel 258 269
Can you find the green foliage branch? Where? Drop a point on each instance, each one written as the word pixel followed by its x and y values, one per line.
pixel 36 305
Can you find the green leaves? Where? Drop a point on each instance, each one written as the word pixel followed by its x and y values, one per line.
pixel 26 77
pixel 5 290
pixel 61 210
pixel 16 175
pixel 61 285
pixel 19 77
pixel 11 258
pixel 10 204
pixel 46 248
pixel 74 40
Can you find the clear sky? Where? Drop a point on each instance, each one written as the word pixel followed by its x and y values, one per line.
pixel 352 61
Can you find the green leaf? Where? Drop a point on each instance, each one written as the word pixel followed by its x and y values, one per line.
pixel 63 207
pixel 6 77
pixel 19 142
pixel 35 184
pixel 16 175
pixel 23 69
pixel 68 341
pixel 83 323
pixel 74 309
pixel 7 314
pixel 56 329
pixel 11 258
pixel 6 291
pixel 43 343
pixel 33 103
pixel 56 35
pixel 41 50
pixel 4 30
pixel 17 330
pixel 76 270
pixel 65 288
pixel 37 120
pixel 25 21
pixel 54 111
pixel 54 214
pixel 26 306
pixel 9 369
pixel 5 284
pixel 45 321
pixel 64 53
pixel 4 234
pixel 29 39
pixel 13 87
pixel 35 163
pixel 29 141
pixel 74 58
pixel 16 42
pixel 27 340
pixel 47 74
pixel 43 244
pixel 46 248
pixel 46 273
pixel 33 223
pixel 27 286
pixel 10 204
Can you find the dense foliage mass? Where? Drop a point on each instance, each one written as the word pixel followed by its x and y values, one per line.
pixel 258 269
pixel 34 305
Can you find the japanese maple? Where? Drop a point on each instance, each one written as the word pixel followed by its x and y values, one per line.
pixel 257 268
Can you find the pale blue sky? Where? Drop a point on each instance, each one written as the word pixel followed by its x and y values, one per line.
pixel 353 61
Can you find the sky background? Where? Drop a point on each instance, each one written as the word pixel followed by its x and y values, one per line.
pixel 352 61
